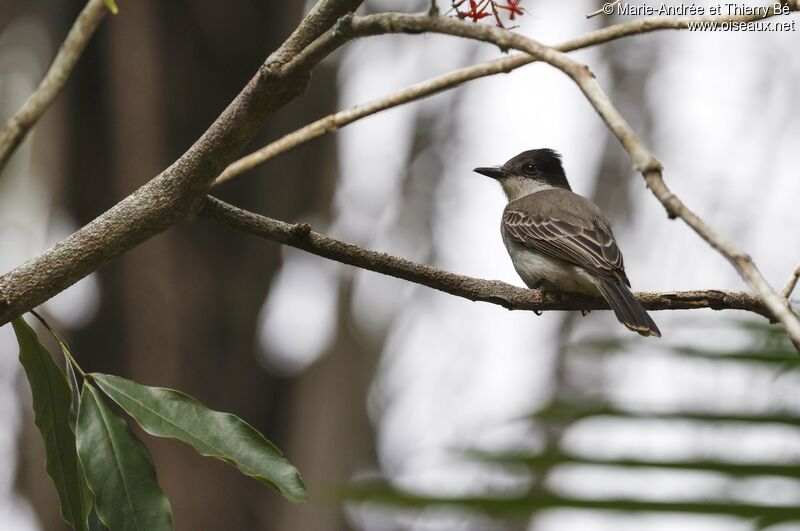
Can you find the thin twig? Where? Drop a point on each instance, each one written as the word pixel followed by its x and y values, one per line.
pixel 71 50
pixel 492 291
pixel 608 8
pixel 340 119
pixel 450 80
pixel 787 290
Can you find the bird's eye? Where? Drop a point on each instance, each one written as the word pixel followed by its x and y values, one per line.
pixel 529 168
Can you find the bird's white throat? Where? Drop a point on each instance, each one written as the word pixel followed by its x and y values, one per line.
pixel 516 187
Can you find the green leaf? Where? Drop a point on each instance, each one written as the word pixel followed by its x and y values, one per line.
pixel 75 391
pixel 112 6
pixel 168 413
pixel 75 395
pixel 51 406
pixel 119 469
pixel 94 522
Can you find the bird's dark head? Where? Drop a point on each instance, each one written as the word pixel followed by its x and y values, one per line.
pixel 529 172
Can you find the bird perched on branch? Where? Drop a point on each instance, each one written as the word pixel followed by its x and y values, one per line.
pixel 559 240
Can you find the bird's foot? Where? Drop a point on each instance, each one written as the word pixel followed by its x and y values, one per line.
pixel 584 313
pixel 538 312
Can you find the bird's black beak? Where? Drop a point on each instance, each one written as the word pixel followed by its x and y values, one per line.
pixel 493 172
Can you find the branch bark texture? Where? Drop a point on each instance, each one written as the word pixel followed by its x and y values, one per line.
pixel 511 297
pixel 179 192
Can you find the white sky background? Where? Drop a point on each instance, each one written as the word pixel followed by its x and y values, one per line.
pixel 456 374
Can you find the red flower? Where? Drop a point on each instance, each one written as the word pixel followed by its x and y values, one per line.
pixel 479 9
pixel 513 8
pixel 476 11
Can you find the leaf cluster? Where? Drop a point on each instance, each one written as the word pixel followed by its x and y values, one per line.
pixel 103 473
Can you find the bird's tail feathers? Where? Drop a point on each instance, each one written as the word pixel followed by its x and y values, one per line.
pixel 627 309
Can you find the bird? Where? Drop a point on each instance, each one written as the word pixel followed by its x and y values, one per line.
pixel 559 240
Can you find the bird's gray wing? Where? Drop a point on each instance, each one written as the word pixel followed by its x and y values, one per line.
pixel 583 241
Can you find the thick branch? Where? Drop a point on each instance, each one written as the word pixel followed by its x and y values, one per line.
pixel 493 291
pixel 17 127
pixel 179 192
pixel 452 79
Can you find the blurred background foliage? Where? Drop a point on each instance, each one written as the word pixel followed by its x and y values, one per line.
pixel 361 378
pixel 618 472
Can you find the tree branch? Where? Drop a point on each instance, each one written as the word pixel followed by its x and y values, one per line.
pixel 511 297
pixel 17 127
pixel 644 161
pixel 791 283
pixel 603 9
pixel 340 119
pixel 452 79
pixel 179 192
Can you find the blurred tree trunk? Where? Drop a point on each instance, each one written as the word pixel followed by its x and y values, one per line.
pixel 180 311
pixel 330 433
pixel 331 396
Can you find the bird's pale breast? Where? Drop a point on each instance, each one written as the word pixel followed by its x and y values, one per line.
pixel 557 274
